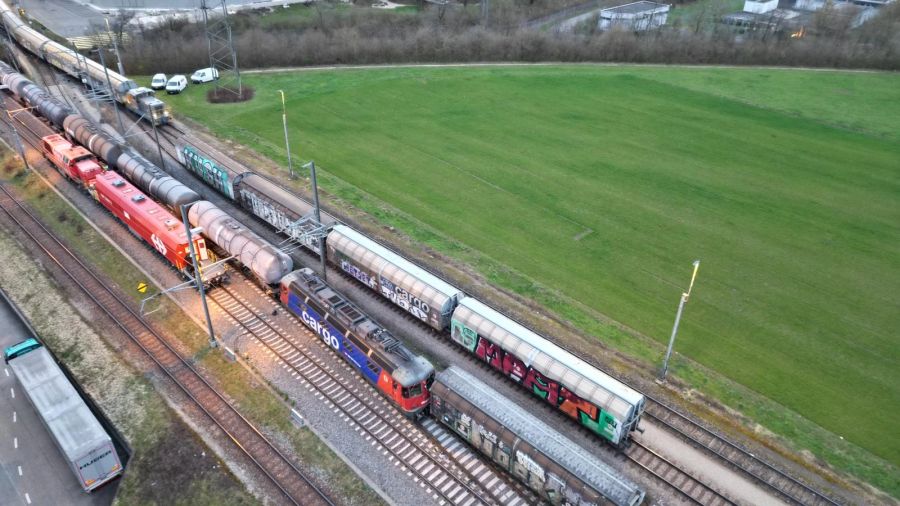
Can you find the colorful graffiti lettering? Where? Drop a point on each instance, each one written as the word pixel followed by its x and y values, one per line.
pixel 550 391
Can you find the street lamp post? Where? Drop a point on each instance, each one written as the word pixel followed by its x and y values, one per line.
pixel 681 303
pixel 287 142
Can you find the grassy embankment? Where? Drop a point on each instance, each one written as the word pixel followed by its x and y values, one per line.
pixel 591 190
pixel 255 401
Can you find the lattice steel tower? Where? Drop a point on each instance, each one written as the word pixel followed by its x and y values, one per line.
pixel 222 55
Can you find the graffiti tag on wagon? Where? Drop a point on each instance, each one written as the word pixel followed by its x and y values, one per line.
pixel 404 299
pixel 359 274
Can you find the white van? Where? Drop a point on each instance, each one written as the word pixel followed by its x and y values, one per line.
pixel 176 85
pixel 159 81
pixel 204 75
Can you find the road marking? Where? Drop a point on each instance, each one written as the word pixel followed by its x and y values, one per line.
pixel 12 392
pixel 14 417
pixel 16 442
pixel 20 470
pixel 6 371
pixel 27 498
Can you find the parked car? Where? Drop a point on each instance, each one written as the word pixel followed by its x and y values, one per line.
pixel 176 85
pixel 204 75
pixel 159 81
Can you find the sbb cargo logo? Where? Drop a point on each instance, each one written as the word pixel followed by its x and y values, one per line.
pixel 320 328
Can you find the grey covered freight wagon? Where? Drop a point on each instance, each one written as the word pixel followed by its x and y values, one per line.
pixel 555 467
pixel 82 440
pixel 422 294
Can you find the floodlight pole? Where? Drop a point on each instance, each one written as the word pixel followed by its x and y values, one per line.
pixel 318 215
pixel 681 303
pixel 197 278
pixel 287 143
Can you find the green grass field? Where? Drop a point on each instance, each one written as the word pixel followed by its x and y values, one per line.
pixel 604 183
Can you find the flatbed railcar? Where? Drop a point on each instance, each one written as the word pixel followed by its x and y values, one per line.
pixel 400 375
pixel 138 99
pixel 81 439
pixel 553 466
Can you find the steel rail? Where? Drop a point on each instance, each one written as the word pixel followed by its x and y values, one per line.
pixel 295 486
pixel 345 399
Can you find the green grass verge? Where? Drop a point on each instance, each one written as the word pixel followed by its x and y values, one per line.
pixel 788 195
pixel 257 404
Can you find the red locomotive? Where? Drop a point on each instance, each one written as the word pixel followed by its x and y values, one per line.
pixel 71 160
pixel 155 225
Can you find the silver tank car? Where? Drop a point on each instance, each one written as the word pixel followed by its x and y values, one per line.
pixel 49 106
pixel 140 171
pixel 555 467
pixel 267 262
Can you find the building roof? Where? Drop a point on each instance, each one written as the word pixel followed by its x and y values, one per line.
pixel 635 7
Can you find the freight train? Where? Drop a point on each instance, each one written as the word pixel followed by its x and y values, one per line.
pixel 137 99
pixel 597 401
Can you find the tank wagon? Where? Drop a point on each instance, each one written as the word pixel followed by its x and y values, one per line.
pixel 265 261
pixel 382 359
pixel 147 176
pixel 265 199
pixel 599 402
pixel 422 294
pixel 140 100
pixel 81 439
pixel 553 466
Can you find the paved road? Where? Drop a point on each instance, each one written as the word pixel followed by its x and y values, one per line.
pixel 32 469
pixel 65 17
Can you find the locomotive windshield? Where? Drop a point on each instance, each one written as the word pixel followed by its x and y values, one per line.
pixel 413 391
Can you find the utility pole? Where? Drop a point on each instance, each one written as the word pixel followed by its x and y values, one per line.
pixel 16 138
pixel 162 161
pixel 318 215
pixel 681 303
pixel 197 277
pixel 112 94
pixel 287 142
pixel 115 47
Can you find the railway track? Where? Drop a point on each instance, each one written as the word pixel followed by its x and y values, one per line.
pixel 731 454
pixel 364 409
pixel 686 485
pixel 293 484
pixel 737 457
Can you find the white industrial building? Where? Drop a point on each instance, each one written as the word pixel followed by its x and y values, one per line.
pixel 637 16
pixel 760 6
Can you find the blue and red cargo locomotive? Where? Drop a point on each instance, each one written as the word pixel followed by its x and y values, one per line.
pixel 382 359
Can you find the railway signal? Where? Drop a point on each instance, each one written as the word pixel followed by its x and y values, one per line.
pixel 681 303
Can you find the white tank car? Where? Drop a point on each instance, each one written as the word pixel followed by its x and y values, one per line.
pixel 138 99
pixel 264 260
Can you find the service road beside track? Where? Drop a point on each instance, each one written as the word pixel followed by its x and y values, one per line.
pixel 32 469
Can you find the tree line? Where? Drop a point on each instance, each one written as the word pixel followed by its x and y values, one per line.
pixel 458 33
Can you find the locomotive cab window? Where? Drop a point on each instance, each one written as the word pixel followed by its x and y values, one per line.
pixel 413 391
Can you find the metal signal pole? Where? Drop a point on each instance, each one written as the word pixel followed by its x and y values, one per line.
pixel 318 215
pixel 681 303
pixel 197 277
